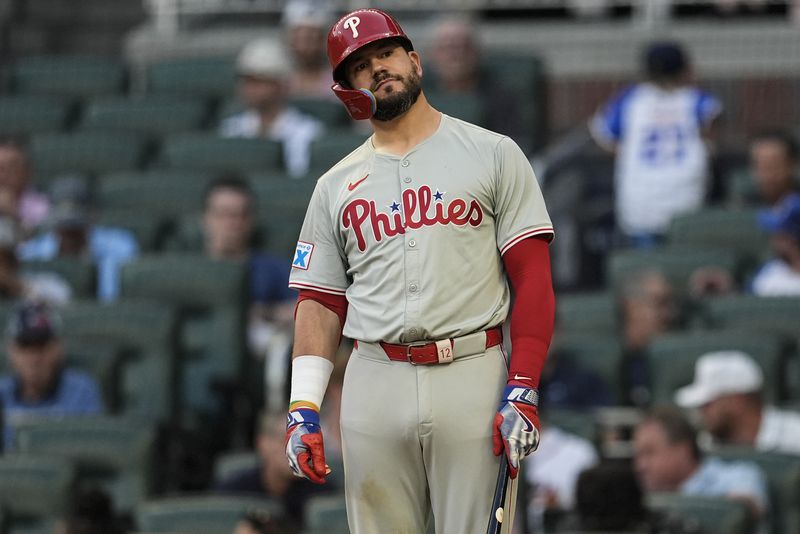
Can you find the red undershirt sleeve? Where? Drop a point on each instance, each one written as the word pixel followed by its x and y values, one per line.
pixel 336 303
pixel 528 266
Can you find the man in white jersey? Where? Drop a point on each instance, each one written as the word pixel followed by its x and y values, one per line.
pixel 659 129
pixel 408 247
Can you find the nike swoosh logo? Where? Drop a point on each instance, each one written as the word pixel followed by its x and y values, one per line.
pixel 353 185
pixel 518 377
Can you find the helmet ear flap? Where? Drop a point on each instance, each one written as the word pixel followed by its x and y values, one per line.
pixel 360 103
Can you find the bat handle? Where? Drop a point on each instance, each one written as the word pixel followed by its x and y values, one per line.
pixel 496 516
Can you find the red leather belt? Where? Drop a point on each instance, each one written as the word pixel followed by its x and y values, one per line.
pixel 432 353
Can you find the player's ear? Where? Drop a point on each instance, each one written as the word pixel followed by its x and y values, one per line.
pixel 417 61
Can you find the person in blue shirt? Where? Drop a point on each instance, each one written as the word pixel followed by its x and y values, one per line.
pixel 72 234
pixel 41 385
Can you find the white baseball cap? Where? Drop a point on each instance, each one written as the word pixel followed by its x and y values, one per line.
pixel 307 13
pixel 720 373
pixel 263 57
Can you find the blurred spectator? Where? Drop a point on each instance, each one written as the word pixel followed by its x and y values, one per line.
pixel 455 53
pixel 228 232
pixel 306 24
pixel 728 389
pixel 262 523
pixel 560 458
pixel 40 384
pixel 648 309
pixel 263 72
pixel 667 458
pixel 781 275
pixel 17 198
pixel 74 235
pixel 39 286
pixel 272 477
pixel 609 499
pixel 566 384
pixel 773 160
pixel 92 513
pixel 659 130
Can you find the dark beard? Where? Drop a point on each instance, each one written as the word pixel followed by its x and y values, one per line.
pixel 398 103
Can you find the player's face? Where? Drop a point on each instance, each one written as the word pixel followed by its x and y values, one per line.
pixel 657 461
pixel 392 74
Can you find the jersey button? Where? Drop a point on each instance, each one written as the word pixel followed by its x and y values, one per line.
pixel 412 332
pixel 412 243
pixel 405 163
pixel 413 288
pixel 407 179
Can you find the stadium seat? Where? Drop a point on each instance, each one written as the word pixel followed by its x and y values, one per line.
pixel 783 477
pixel 330 112
pixel 148 231
pixel 467 107
pixel 735 230
pixel 326 514
pixel 113 453
pixel 208 77
pixel 145 333
pixel 579 422
pixel 779 315
pixel 209 152
pixel 587 312
pixel 335 145
pixel 200 515
pixel 671 359
pixel 34 489
pixel 29 114
pixel 601 353
pixel 80 274
pixel 676 263
pixel 719 515
pixel 279 225
pixel 231 463
pixel 103 360
pixel 163 193
pixel 211 299
pixel 73 76
pixel 153 115
pixel 87 152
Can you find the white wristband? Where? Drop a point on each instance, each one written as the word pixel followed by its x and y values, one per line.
pixel 310 375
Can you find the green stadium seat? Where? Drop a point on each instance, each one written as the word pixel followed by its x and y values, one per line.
pixel 735 230
pixel 103 361
pixel 201 514
pixel 587 312
pixel 145 333
pixel 153 115
pixel 332 147
pixel 783 477
pixel 73 76
pixel 326 514
pixel 719 515
pixel 579 422
pixel 149 231
pixel 330 112
pixel 29 114
pixel 87 152
pixel 676 263
pixel 671 359
pixel 467 107
pixel 114 453
pixel 230 463
pixel 34 489
pixel 207 77
pixel 155 193
pixel 279 225
pixel 601 353
pixel 778 315
pixel 81 275
pixel 211 298
pixel 209 152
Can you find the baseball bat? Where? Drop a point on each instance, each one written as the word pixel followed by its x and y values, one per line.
pixel 498 501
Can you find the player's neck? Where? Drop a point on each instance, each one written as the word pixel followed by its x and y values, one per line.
pixel 400 135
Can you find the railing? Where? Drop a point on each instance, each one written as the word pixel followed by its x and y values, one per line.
pixel 167 14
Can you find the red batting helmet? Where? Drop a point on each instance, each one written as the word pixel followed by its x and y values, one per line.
pixel 351 32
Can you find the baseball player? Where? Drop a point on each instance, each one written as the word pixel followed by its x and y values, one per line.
pixel 408 247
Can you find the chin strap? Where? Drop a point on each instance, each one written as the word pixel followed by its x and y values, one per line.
pixel 360 103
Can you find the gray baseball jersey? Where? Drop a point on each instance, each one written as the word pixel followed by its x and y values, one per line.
pixel 416 242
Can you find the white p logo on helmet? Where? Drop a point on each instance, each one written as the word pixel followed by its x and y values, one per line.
pixel 351 24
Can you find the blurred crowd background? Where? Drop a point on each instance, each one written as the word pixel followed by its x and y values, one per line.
pixel 156 160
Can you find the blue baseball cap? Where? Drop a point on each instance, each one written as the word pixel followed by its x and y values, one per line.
pixel 783 218
pixel 33 323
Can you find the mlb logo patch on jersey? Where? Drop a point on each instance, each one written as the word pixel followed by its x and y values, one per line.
pixel 302 255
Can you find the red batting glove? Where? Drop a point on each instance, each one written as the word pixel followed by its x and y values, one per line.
pixel 516 425
pixel 304 447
